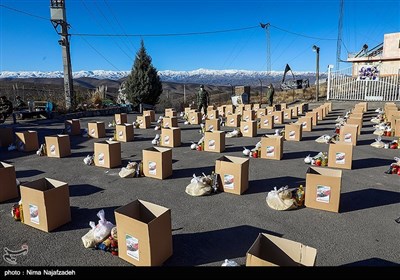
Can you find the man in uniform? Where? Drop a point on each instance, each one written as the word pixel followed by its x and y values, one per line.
pixel 270 94
pixel 202 99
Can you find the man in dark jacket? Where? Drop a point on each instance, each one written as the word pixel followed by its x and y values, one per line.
pixel 6 108
pixel 202 99
pixel 270 94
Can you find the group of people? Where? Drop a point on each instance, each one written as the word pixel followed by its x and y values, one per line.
pixel 7 107
pixel 203 98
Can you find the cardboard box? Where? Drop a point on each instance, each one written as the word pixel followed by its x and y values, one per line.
pixel 45 204
pixel 287 114
pixel 58 146
pixel 124 132
pixel 6 136
pixel 323 188
pixel 150 113
pixel 261 112
pixel 278 117
pixel 314 116
pixel 27 141
pixel 195 118
pixel 8 186
pixel 249 128
pixel 143 121
pixel 269 250
pixel 144 233
pixel 357 121
pixel 397 127
pixel 221 110
pixel 170 122
pixel 214 141
pixel 212 125
pixel 212 114
pixel 320 112
pixel 281 107
pixel 267 122
pixel 329 106
pixel 229 110
pixel 356 114
pixel 242 89
pixel 256 106
pixel 295 111
pixel 233 174
pixel 248 107
pixel 272 147
pixel 239 109
pixel 306 123
pixel 73 127
pixel 107 154
pixel 170 112
pixel 189 109
pixel 96 129
pixel 348 133
pixel 363 105
pixel 210 107
pixel 157 162
pixel 170 137
pixel 340 155
pixel 300 110
pixel 293 132
pixel 232 120
pixel 392 115
pixel 248 116
pixel 121 118
pixel 270 109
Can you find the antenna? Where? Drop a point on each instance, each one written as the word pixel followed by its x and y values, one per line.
pixel 339 36
pixel 59 21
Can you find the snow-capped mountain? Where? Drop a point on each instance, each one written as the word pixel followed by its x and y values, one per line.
pixel 204 76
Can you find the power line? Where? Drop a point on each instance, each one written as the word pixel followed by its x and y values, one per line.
pixel 302 35
pixel 22 12
pixel 165 34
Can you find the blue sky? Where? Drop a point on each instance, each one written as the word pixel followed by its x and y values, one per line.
pixel 29 42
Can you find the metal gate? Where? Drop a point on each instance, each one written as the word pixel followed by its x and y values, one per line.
pixel 343 86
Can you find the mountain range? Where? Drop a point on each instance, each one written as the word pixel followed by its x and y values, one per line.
pixel 199 76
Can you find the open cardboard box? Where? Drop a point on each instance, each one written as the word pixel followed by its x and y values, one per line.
pixel 306 123
pixel 8 186
pixel 232 120
pixel 269 250
pixel 144 233
pixel 6 136
pixel 150 113
pixel 261 112
pixel 233 174
pixel 72 127
pixel 143 121
pixel 278 117
pixel 27 141
pixel 323 186
pixel 349 133
pixel 170 122
pixel 212 114
pixel 45 203
pixel 314 116
pixel 194 117
pixel 248 115
pixel 58 146
pixel 287 114
pixel 212 125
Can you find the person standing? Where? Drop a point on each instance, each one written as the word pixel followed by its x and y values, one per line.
pixel 6 108
pixel 270 94
pixel 203 98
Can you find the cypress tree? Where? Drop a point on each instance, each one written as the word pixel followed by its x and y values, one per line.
pixel 143 84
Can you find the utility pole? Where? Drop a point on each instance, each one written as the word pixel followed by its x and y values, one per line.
pixel 184 93
pixel 316 49
pixel 59 21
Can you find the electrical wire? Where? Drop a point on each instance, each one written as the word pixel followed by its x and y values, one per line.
pixel 23 12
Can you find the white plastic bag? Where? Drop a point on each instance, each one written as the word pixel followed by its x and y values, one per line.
pixel 103 228
pixel 88 238
pixel 378 143
pixel 229 263
pixel 199 186
pixel 281 199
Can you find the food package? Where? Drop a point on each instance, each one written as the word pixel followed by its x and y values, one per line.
pixel 281 199
pixel 378 143
pixel 229 263
pixel 88 238
pixel 129 171
pixel 323 139
pixel 199 186
pixel 103 228
pixel 378 132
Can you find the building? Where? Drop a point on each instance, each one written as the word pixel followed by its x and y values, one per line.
pixel 380 61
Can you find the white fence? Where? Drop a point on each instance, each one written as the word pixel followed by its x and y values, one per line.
pixel 343 86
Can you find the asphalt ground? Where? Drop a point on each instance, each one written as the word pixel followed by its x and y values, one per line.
pixel 209 229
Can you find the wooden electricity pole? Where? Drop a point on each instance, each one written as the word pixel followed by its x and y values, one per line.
pixel 59 21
